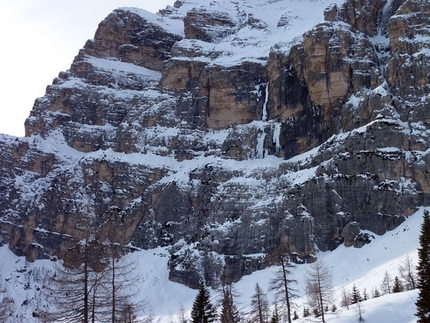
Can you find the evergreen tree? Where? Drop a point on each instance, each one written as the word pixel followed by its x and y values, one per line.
pixel 295 316
pixel 376 293
pixel 203 311
pixel 397 287
pixel 423 272
pixel 306 312
pixel 229 311
pixel 275 316
pixel 317 312
pixel 365 294
pixel 386 285
pixel 355 295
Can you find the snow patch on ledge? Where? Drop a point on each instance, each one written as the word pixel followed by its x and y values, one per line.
pixel 118 66
pixel 172 26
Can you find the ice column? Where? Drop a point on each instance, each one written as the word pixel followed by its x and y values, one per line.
pixel 262 134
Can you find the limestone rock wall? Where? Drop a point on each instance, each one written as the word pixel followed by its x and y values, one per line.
pixel 129 37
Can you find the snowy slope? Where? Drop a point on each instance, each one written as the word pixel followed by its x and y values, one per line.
pixel 260 25
pixel 363 267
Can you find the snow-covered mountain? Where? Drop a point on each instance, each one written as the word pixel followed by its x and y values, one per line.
pixel 225 131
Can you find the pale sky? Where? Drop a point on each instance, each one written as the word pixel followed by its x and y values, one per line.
pixel 40 38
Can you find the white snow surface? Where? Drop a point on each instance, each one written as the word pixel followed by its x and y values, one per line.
pixel 364 267
pixel 173 26
pixel 115 66
pixel 260 26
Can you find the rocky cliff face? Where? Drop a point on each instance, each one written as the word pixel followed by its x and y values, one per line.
pixel 228 131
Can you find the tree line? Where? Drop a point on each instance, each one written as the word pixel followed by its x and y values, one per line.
pixel 318 289
pixel 100 287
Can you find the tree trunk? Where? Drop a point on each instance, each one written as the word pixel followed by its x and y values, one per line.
pixel 86 288
pixel 321 300
pixel 287 296
pixel 113 290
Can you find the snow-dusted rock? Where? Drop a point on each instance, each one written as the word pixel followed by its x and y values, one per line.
pixel 227 133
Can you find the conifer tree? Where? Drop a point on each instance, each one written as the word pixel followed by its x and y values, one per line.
pixel 72 290
pixel 376 293
pixel 282 283
pixel 355 295
pixel 98 289
pixel 346 300
pixel 423 272
pixel 275 316
pixel 203 311
pixel 306 312
pixel 259 306
pixel 397 286
pixel 319 287
pixel 229 311
pixel 386 285
pixel 118 285
pixel 407 273
pixel 365 294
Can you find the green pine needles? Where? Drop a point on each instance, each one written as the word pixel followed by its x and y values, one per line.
pixel 423 271
pixel 203 311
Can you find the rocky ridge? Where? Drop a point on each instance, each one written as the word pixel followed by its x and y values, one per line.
pixel 227 132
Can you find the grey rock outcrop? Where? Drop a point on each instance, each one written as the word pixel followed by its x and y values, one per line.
pixel 208 26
